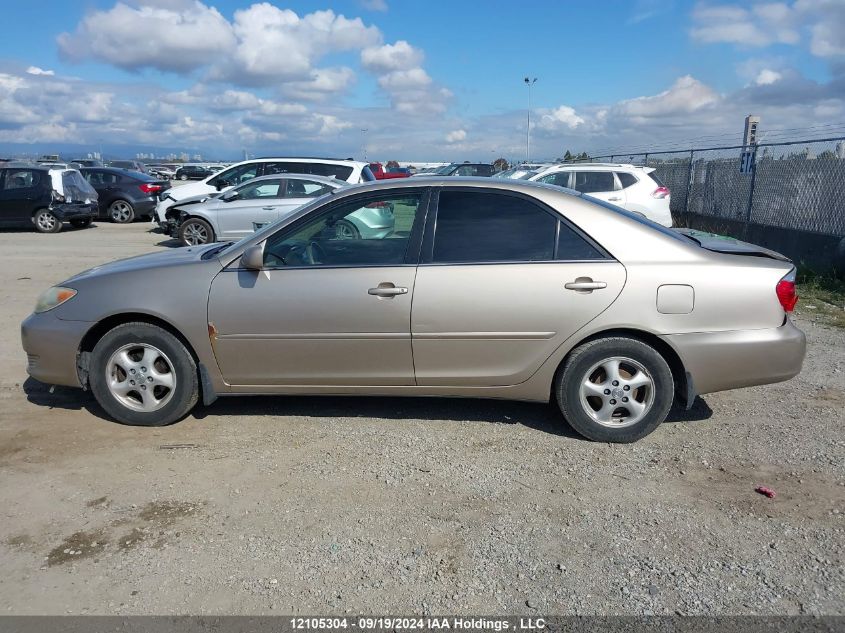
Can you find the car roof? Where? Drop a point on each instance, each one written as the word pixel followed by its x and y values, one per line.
pixel 457 182
pixel 307 159
pixel 328 180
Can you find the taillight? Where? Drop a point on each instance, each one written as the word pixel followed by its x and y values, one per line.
pixel 148 188
pixel 785 291
pixel 660 192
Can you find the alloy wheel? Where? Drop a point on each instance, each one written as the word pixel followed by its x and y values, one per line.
pixel 140 377
pixel 121 212
pixel 195 234
pixel 46 221
pixel 617 392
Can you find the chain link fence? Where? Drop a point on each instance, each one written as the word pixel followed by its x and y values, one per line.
pixel 792 185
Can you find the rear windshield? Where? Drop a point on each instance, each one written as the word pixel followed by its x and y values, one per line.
pixel 654 177
pixel 642 220
pixel 76 188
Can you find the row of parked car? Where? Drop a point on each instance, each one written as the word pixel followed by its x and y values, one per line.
pixel 234 201
pixel 47 196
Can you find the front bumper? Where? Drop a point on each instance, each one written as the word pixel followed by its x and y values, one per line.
pixel 51 346
pixel 718 361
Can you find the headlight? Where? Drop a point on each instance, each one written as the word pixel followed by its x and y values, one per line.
pixel 55 296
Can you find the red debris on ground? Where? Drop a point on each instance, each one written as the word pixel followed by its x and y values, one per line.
pixel 765 491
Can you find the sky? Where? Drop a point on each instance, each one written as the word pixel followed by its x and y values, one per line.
pixel 411 80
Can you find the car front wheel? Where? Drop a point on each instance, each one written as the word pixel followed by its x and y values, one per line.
pixel 615 389
pixel 194 232
pixel 143 375
pixel 121 212
pixel 47 222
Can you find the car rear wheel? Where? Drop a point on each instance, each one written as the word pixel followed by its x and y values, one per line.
pixel 183 177
pixel 143 375
pixel 121 211
pixel 47 222
pixel 194 232
pixel 80 223
pixel 615 389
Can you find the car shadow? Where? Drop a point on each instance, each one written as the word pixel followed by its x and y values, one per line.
pixel 544 417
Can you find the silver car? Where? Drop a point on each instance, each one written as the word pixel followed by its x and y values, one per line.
pixel 242 210
pixel 484 288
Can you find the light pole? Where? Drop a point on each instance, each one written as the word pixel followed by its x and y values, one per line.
pixel 529 83
pixel 364 131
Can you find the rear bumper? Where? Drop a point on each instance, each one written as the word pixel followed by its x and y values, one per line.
pixel 741 358
pixel 67 211
pixel 51 346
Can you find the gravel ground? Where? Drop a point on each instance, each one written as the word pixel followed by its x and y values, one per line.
pixel 343 505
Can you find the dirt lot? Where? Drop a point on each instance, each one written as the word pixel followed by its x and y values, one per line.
pixel 296 505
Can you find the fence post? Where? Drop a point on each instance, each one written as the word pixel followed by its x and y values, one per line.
pixel 646 159
pixel 690 179
pixel 750 192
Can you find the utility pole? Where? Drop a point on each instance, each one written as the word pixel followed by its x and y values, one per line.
pixel 529 83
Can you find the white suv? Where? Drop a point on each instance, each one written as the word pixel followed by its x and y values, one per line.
pixel 349 170
pixel 628 186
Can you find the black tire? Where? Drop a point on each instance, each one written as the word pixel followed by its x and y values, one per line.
pixel 195 232
pixel 121 212
pixel 183 177
pixel 80 223
pixel 185 392
pixel 46 221
pixel 583 360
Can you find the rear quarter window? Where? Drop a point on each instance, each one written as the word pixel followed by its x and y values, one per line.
pixel 626 179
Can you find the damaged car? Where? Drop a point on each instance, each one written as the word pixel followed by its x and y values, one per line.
pixel 45 197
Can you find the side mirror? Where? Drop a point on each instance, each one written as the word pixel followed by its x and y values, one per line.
pixel 253 257
pixel 229 196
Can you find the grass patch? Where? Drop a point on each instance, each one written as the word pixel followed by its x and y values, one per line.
pixel 821 299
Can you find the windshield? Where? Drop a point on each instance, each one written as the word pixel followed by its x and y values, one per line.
pixel 445 170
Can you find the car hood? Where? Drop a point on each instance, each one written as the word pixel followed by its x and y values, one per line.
pixel 163 259
pixel 203 197
pixel 191 189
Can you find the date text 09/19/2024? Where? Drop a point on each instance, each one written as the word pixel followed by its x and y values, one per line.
pixel 416 623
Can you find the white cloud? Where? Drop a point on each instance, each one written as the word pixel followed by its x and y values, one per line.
pixel 323 83
pixel 147 36
pixel 767 77
pixel 456 136
pixel 391 57
pixel 561 117
pixel 35 70
pixel 761 25
pixel 686 95
pixel 276 44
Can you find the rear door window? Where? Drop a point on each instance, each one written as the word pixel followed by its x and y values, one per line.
pixel 491 227
pixel 297 188
pixel 594 181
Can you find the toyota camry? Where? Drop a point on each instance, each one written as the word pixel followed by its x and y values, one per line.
pixel 482 288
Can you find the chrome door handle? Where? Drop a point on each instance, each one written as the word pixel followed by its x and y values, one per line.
pixel 387 291
pixel 585 284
